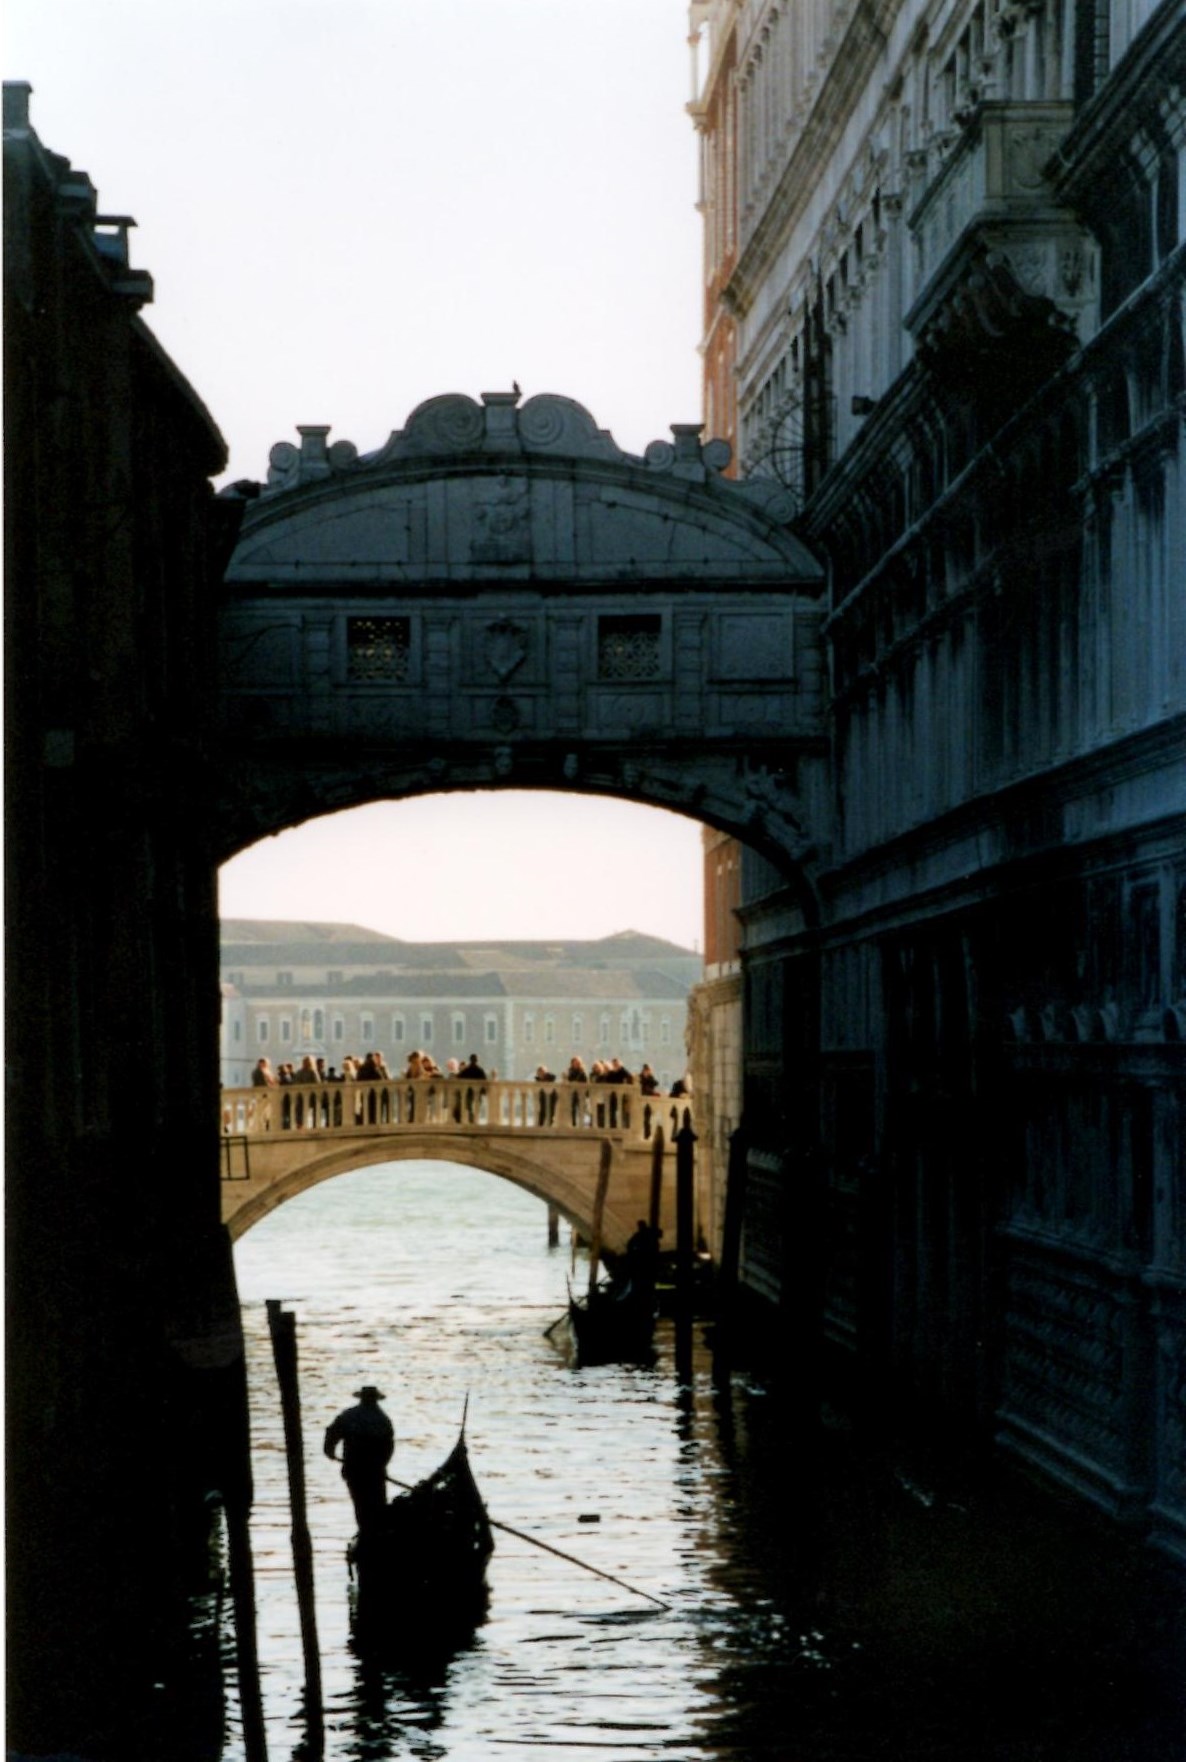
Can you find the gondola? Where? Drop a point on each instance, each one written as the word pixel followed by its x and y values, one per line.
pixel 419 1576
pixel 614 1324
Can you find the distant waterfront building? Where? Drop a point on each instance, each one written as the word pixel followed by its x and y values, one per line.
pixel 333 990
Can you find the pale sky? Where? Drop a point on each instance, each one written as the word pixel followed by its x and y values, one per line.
pixel 349 206
pixel 506 864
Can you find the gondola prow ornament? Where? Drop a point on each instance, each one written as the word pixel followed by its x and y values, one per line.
pixel 367 1438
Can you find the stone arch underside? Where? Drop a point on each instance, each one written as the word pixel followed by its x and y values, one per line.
pixel 565 1181
pixel 502 597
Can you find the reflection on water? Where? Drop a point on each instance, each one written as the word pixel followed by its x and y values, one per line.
pixel 436 1282
pixel 814 1612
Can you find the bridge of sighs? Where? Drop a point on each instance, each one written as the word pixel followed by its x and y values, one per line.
pixel 500 596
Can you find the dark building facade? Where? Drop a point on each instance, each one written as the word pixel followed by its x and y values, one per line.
pixel 959 298
pixel 121 1356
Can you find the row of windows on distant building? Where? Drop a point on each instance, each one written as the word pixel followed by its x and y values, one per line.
pixel 634 1029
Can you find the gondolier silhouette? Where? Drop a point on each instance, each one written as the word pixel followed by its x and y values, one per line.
pixel 367 1438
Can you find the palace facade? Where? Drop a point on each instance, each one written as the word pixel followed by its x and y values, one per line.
pixel 332 990
pixel 944 310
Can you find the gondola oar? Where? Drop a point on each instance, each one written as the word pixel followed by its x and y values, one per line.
pixel 522 1536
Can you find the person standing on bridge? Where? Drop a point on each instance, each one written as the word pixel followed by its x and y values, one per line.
pixel 471 1072
pixel 367 1438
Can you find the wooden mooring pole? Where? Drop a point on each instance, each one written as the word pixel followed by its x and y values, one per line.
pixel 657 1149
pixel 553 1227
pixel 282 1326
pixel 685 1215
pixel 685 1224
pixel 251 1707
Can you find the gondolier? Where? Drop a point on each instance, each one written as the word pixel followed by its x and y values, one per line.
pixel 367 1438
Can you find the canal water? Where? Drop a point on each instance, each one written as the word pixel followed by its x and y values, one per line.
pixel 813 1610
pixel 437 1284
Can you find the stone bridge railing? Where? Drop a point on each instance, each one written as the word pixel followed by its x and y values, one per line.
pixel 448 1105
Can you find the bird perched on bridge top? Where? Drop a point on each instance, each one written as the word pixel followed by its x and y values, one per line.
pixel 516 388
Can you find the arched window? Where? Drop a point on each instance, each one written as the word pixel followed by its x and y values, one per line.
pixel 578 1029
pixel 262 1029
pixel 458 1028
pixel 549 1030
pixel 399 1029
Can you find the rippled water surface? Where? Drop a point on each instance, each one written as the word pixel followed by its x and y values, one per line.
pixel 436 1282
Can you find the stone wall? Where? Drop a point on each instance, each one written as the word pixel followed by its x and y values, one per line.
pixel 959 305
pixel 118 1354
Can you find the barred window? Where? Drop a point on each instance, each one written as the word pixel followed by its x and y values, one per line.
pixel 628 647
pixel 378 648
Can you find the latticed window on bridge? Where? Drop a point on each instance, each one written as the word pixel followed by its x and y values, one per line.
pixel 628 648
pixel 378 648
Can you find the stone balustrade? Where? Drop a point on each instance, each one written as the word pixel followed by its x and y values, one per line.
pixel 449 1106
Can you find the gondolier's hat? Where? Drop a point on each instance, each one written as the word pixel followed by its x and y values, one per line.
pixel 370 1389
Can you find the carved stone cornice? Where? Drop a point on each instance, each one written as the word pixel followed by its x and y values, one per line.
pixel 539 492
pixel 990 219
pixel 851 66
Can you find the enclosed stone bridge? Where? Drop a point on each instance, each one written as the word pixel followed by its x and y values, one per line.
pixel 603 1155
pixel 501 597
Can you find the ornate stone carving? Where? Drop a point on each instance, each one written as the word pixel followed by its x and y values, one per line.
pixel 505 716
pixel 447 424
pixel 506 646
pixel 502 522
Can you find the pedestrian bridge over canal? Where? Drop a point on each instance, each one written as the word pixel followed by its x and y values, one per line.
pixel 565 1142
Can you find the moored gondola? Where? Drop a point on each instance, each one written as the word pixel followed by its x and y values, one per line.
pixel 419 1573
pixel 614 1324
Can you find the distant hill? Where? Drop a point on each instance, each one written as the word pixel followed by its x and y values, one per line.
pixel 245 941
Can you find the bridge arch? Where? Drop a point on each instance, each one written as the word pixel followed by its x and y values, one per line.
pixel 500 597
pixel 561 1174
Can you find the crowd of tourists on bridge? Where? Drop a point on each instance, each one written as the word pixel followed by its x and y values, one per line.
pixel 373 1069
